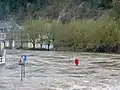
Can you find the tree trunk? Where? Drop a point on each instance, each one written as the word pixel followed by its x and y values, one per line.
pixel 53 42
pixel 48 47
pixel 21 45
pixel 74 48
pixel 10 43
pixel 41 45
pixel 4 44
pixel 34 45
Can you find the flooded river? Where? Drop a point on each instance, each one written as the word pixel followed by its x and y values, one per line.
pixel 56 71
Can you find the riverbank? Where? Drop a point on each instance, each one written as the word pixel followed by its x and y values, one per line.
pixel 100 49
pixel 96 49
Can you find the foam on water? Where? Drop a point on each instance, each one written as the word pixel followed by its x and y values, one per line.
pixel 56 71
pixel 76 87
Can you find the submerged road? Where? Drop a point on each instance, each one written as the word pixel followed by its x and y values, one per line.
pixel 56 71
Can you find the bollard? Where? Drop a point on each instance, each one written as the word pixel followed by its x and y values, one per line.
pixel 76 61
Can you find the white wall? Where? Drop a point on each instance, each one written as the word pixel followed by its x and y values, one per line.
pixel 27 45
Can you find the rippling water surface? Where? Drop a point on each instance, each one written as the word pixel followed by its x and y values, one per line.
pixel 56 71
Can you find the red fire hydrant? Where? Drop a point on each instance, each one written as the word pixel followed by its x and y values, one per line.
pixel 76 61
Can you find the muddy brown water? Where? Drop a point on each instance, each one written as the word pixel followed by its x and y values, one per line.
pixel 56 71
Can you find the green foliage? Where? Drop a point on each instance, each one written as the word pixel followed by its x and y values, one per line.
pixel 32 31
pixel 47 8
pixel 87 34
pixel 38 31
pixel 76 35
